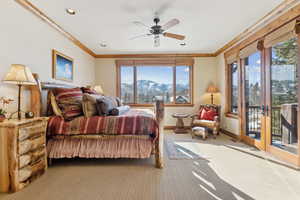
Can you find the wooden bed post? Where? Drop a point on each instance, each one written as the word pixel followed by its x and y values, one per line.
pixel 159 113
pixel 36 97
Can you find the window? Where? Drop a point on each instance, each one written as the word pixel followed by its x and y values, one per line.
pixel 143 82
pixel 232 83
pixel 232 88
pixel 154 82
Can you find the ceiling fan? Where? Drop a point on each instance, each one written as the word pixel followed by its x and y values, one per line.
pixel 157 30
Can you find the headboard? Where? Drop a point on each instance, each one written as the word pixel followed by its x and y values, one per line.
pixel 38 99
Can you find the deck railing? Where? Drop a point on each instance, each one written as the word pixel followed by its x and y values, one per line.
pixel 253 115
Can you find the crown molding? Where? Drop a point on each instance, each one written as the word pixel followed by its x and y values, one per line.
pixel 266 24
pixel 29 6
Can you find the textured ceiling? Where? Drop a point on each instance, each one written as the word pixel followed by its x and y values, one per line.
pixel 207 24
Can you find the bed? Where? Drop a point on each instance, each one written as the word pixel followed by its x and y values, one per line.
pixel 136 134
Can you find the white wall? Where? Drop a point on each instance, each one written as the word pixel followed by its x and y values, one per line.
pixel 25 39
pixel 205 72
pixel 229 124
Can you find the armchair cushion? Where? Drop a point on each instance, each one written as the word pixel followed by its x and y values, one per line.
pixel 207 114
pixel 204 123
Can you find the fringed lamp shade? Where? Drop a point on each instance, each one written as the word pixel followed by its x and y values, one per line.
pixel 19 75
pixel 212 90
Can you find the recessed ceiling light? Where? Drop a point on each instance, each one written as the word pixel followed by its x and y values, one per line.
pixel 102 44
pixel 70 11
pixel 183 44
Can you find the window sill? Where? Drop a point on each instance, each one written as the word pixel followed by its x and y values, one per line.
pixel 166 105
pixel 232 115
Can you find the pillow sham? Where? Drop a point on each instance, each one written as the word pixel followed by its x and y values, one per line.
pixel 89 90
pixel 89 104
pixel 105 104
pixel 208 114
pixel 119 110
pixel 69 101
pixel 122 109
pixel 119 102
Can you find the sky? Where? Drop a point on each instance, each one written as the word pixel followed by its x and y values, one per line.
pixel 157 74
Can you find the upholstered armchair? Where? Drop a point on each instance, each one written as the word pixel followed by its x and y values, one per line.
pixel 208 116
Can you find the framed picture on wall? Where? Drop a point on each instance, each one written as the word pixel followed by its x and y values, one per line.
pixel 62 66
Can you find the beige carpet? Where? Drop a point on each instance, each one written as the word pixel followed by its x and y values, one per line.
pixel 225 173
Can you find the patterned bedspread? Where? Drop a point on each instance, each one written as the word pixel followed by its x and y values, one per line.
pixel 134 122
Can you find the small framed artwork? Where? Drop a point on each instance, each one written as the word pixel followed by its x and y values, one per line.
pixel 62 66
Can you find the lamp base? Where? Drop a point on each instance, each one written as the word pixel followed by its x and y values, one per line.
pixel 212 98
pixel 19 113
pixel 19 104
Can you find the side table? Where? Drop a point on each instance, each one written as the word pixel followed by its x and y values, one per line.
pixel 180 124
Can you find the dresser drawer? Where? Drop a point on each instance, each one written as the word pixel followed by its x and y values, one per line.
pixel 31 157
pixel 31 170
pixel 31 144
pixel 31 131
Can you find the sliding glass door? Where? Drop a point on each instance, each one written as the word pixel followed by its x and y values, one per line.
pixel 270 93
pixel 283 100
pixel 253 100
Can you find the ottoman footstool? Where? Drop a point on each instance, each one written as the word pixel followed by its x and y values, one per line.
pixel 199 131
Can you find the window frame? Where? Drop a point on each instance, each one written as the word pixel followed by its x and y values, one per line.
pixel 160 63
pixel 228 110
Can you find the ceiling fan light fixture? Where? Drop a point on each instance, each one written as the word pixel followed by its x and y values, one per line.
pixel 70 11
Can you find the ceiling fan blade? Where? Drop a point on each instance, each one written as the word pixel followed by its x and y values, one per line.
pixel 170 24
pixel 140 24
pixel 140 36
pixel 175 36
pixel 156 41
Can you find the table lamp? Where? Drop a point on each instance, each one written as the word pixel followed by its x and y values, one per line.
pixel 19 75
pixel 212 90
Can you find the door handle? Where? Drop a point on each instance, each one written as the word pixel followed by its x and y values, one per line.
pixel 267 110
pixel 263 109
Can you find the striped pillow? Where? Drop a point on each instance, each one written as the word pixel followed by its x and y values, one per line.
pixel 88 90
pixel 69 101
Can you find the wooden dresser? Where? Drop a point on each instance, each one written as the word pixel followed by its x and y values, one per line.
pixel 23 154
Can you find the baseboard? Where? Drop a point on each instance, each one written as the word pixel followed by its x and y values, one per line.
pixel 237 137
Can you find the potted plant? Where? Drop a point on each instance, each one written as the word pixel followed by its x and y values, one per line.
pixel 4 101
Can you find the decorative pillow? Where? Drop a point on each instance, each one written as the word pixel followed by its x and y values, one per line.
pixel 69 101
pixel 119 110
pixel 105 104
pixel 114 112
pixel 123 109
pixel 56 110
pixel 89 90
pixel 119 101
pixel 89 104
pixel 207 114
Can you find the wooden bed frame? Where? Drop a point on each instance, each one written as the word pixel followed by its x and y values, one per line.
pixel 37 103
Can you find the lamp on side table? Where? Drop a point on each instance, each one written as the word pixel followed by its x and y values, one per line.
pixel 19 75
pixel 212 90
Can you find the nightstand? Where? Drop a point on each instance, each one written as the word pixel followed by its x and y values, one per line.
pixel 22 152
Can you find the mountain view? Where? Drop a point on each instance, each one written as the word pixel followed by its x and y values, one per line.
pixel 148 91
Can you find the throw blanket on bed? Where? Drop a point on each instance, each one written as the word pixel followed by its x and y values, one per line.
pixel 133 122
